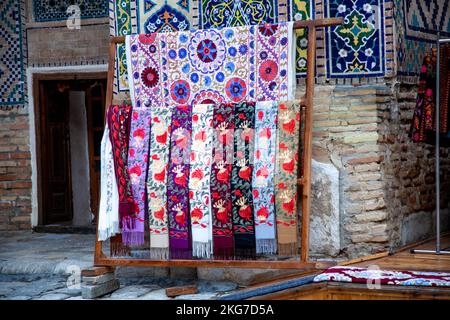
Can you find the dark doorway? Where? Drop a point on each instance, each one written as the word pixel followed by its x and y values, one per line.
pixel 70 128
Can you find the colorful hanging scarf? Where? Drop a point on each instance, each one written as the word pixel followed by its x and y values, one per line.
pixel 228 65
pixel 133 226
pixel 423 119
pixel 263 176
pixel 177 183
pixel 445 89
pixel 241 181
pixel 108 213
pixel 286 178
pixel 199 180
pixel 222 153
pixel 157 182
pixel 119 124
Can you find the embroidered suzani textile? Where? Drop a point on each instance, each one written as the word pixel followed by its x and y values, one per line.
pixel 229 65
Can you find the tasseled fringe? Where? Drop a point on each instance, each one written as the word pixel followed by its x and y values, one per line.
pixel 224 253
pixel 119 250
pixel 180 253
pixel 159 253
pixel 266 246
pixel 132 238
pixel 288 249
pixel 202 249
pixel 244 253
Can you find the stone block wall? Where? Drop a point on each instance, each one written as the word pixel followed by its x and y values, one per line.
pixel 409 172
pixel 15 171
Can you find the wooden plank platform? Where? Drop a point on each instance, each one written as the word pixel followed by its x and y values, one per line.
pixel 402 259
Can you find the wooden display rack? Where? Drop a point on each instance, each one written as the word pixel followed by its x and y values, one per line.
pixel 303 184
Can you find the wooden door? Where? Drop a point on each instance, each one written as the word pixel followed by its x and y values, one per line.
pixel 95 105
pixel 55 152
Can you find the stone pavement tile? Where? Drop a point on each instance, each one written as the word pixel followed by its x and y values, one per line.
pixel 54 296
pixel 17 298
pixel 77 298
pixel 132 292
pixel 199 296
pixel 155 295
pixel 216 286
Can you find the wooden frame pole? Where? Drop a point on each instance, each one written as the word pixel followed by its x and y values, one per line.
pixel 304 183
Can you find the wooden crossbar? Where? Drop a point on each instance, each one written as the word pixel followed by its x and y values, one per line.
pixel 303 182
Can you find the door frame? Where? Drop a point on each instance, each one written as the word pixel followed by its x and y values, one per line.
pixel 34 76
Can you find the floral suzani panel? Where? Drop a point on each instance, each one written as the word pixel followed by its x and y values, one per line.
pixel 356 48
pixel 227 65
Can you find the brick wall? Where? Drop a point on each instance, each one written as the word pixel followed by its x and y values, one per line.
pixel 15 171
pixel 56 46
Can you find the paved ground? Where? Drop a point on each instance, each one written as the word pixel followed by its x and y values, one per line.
pixel 39 266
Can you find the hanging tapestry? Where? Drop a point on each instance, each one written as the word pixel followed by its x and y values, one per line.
pixel 250 63
pixel 157 182
pixel 263 176
pixel 177 183
pixel 241 181
pixel 108 212
pixel 445 89
pixel 222 154
pixel 119 124
pixel 286 178
pixel 199 180
pixel 133 225
pixel 423 118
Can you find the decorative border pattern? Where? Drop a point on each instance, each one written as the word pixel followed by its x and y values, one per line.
pixel 12 86
pixel 417 33
pixel 50 10
pixel 423 17
pixel 232 13
pixel 356 48
pixel 301 10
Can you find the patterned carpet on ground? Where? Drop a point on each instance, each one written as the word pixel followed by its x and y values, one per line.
pixel 384 277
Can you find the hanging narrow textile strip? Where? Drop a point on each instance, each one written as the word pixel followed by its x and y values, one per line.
pixel 241 181
pixel 222 153
pixel 263 176
pixel 108 213
pixel 177 183
pixel 144 69
pixel 157 182
pixel 445 88
pixel 119 124
pixel 227 65
pixel 423 118
pixel 199 180
pixel 286 178
pixel 133 226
